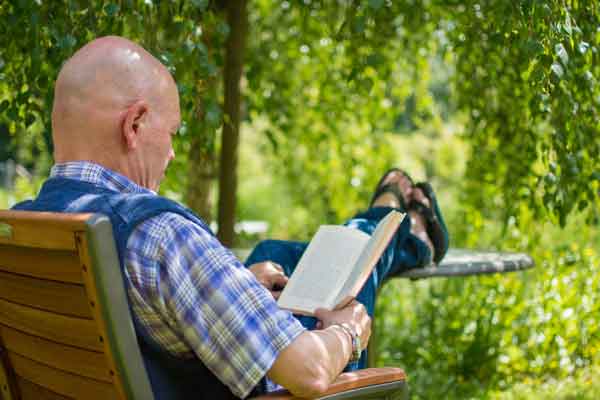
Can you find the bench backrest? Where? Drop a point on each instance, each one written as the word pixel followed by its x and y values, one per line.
pixel 65 326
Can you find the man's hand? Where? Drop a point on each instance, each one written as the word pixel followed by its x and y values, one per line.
pixel 271 276
pixel 308 365
pixel 354 314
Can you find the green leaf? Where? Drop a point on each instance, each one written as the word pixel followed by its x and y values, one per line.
pixel 67 42
pixel 42 81
pixel 546 11
pixel 202 49
pixel 376 4
pixel 558 70
pixel 367 84
pixel 223 29
pixel 567 25
pixel 4 105
pixel 213 114
pixel 353 73
pixel 359 24
pixel 550 179
pixel 534 47
pixel 561 53
pixel 29 119
pixel 111 9
pixel 537 74
pixel 375 59
pixel 583 46
pixel 200 4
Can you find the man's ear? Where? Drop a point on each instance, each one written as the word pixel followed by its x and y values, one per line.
pixel 134 117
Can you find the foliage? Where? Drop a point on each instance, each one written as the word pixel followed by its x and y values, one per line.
pixel 582 386
pixel 331 77
pixel 327 105
pixel 461 337
pixel 528 72
pixel 525 73
pixel 36 37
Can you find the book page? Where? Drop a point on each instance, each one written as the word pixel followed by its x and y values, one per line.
pixel 370 255
pixel 323 269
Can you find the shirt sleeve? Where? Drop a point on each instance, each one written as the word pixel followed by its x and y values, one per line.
pixel 193 295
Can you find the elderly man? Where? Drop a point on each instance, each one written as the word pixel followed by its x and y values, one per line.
pixel 206 323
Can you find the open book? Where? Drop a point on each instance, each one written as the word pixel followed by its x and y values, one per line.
pixel 336 265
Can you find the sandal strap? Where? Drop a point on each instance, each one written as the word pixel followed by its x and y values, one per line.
pixel 379 188
pixel 389 188
pixel 436 228
pixel 422 209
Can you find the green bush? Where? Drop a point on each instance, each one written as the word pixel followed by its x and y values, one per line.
pixel 583 386
pixel 467 337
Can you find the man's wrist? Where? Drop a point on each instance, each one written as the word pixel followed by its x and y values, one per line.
pixel 354 340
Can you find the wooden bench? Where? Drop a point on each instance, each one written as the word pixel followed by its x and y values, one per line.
pixel 65 326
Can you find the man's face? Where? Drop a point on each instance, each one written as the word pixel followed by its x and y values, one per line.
pixel 157 148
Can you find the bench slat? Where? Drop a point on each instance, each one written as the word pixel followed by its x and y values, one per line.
pixel 31 391
pixel 52 296
pixel 30 235
pixel 73 331
pixel 61 382
pixel 67 358
pixel 349 381
pixel 22 228
pixel 58 265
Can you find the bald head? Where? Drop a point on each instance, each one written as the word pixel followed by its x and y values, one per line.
pixel 96 89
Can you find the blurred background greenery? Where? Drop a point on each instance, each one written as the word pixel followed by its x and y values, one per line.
pixel 494 102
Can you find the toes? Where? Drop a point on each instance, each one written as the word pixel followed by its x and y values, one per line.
pixel 402 182
pixel 392 177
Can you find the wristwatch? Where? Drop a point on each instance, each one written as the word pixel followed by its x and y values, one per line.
pixel 356 347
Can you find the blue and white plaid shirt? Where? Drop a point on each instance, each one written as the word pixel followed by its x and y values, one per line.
pixel 193 295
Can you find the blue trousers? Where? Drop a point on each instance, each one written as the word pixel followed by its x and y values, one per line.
pixel 405 251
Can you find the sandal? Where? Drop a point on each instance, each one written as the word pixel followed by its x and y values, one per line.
pixel 436 228
pixel 390 188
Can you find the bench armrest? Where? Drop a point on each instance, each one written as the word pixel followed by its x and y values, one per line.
pixel 380 380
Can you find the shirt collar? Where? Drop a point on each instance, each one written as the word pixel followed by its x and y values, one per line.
pixel 98 175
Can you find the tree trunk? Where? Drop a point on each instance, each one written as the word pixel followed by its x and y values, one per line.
pixel 237 19
pixel 201 175
pixel 202 155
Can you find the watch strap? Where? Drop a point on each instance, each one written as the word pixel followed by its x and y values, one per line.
pixel 356 345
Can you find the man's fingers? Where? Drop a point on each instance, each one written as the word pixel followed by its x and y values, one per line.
pixel 322 313
pixel 279 280
pixel 277 266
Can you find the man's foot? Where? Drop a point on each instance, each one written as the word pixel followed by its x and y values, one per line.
pixel 394 190
pixel 418 226
pixel 425 203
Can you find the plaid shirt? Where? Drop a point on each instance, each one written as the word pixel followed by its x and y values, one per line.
pixel 193 295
